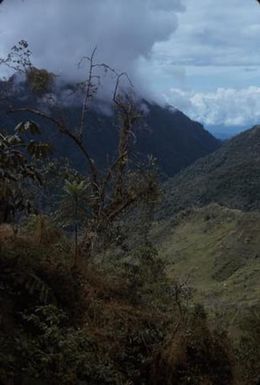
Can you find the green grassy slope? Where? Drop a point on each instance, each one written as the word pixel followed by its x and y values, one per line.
pixel 218 250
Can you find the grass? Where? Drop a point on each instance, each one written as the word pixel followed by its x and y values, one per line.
pixel 217 250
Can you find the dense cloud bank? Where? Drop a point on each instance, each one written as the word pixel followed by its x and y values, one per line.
pixel 60 32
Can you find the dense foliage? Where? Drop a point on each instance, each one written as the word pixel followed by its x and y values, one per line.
pixel 60 327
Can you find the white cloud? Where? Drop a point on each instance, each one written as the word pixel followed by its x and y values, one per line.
pixel 225 106
pixel 217 45
pixel 213 32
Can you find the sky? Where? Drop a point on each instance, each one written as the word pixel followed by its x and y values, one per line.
pixel 203 56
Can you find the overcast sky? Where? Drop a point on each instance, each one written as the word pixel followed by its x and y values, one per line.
pixel 201 56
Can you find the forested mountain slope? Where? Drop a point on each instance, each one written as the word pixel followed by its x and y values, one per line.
pixel 168 135
pixel 230 176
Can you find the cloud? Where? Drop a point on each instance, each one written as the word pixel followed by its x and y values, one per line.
pixel 220 33
pixel 60 32
pixel 227 107
pixel 214 43
pixel 212 48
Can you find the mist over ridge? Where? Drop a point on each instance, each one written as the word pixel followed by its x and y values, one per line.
pixel 60 33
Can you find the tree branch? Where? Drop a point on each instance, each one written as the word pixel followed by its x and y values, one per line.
pixel 65 131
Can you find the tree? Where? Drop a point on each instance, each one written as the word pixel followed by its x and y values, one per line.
pixel 113 191
pixel 73 206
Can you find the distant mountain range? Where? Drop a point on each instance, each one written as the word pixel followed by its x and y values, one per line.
pixel 230 177
pixel 170 136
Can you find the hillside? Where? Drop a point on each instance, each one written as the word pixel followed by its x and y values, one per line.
pixel 230 176
pixel 216 250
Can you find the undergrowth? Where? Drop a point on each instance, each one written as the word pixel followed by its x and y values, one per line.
pixel 92 326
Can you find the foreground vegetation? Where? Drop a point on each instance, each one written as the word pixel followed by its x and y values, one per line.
pixel 60 326
pixel 129 324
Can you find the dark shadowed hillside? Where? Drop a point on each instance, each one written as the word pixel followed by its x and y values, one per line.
pixel 170 136
pixel 174 139
pixel 230 176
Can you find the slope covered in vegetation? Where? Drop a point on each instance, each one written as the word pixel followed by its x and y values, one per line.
pixel 230 176
pixel 214 251
pixel 217 250
pixel 60 326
